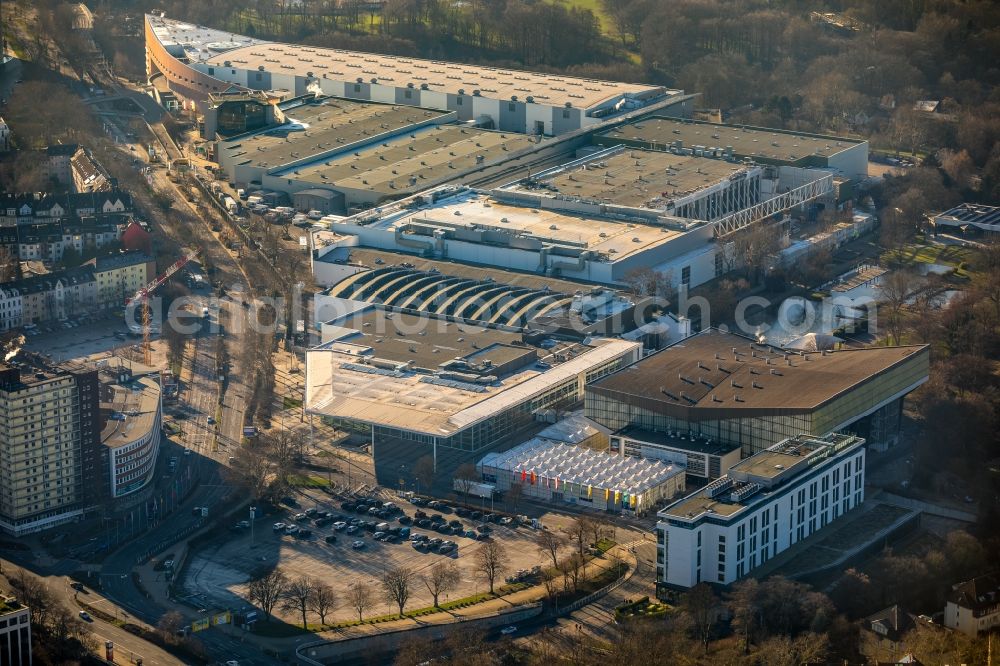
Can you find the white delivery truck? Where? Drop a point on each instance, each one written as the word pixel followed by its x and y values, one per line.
pixel 474 488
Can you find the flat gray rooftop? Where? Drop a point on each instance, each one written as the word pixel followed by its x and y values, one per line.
pixel 766 144
pixel 474 210
pixel 636 178
pixel 316 128
pixel 429 342
pixel 216 47
pixel 413 161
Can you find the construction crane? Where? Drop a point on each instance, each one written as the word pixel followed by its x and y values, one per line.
pixel 141 299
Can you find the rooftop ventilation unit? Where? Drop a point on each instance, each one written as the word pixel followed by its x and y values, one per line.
pixel 745 492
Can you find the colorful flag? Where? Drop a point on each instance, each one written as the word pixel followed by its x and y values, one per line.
pixel 524 475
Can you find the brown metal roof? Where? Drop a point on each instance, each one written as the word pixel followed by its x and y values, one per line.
pixel 718 373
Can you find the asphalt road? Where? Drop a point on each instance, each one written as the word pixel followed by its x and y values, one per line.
pixel 127 646
pixel 199 400
pixel 10 73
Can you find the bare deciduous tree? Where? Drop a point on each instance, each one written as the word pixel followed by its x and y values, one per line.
pixel 423 472
pixel 574 569
pixel 268 590
pixel 701 605
pixel 442 578
pixel 397 584
pixel 897 289
pixel 323 599
pixel 360 598
pixel 578 531
pixel 549 543
pixel 513 496
pixel 298 596
pixel 465 476
pixel 168 626
pixel 491 562
pixel 598 529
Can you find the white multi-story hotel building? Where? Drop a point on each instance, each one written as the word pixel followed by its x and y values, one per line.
pixel 765 504
pixel 15 633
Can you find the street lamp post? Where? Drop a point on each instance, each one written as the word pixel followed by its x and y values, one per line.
pixel 253 513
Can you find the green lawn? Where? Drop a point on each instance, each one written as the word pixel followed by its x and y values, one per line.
pixel 306 481
pixel 605 544
pixel 918 253
pixel 595 6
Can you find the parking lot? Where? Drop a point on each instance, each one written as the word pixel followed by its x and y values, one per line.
pixel 220 572
pixel 75 338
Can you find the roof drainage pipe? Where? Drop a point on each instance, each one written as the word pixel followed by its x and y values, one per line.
pixel 543 259
pixel 440 246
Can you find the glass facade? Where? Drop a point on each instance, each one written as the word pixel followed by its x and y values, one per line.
pixel 753 434
pixel 240 116
pixel 756 433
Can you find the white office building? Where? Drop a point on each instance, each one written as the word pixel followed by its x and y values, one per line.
pixel 765 504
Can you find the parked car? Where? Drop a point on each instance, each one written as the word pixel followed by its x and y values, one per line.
pixel 405 520
pixel 300 517
pixel 304 534
pixel 243 524
pixel 506 520
pixel 278 527
pixel 311 512
pixel 291 529
pixel 469 534
pixel 340 525
pixel 445 548
pixel 455 523
pixel 85 616
pixel 424 523
pixel 358 545
pixel 332 538
pixel 508 630
pixel 352 529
